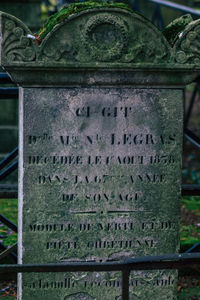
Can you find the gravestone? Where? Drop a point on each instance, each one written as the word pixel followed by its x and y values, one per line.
pixel 101 128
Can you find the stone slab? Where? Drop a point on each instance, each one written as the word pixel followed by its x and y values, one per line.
pixel 100 180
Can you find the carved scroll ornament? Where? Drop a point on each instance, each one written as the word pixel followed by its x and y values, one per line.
pixel 16 46
pixel 187 47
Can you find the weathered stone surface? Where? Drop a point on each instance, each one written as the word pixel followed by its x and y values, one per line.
pixel 105 164
pixel 101 114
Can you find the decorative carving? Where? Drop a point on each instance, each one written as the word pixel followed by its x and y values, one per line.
pixel 187 47
pixel 16 47
pixel 57 51
pixel 105 37
pixel 147 46
pixel 95 36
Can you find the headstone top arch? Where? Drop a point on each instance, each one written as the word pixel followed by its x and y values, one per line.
pixel 107 36
pixel 100 39
pixel 103 35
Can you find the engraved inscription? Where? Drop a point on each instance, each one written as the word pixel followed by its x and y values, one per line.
pixel 103 166
pixel 100 160
pixel 111 226
pixel 110 139
pixel 76 179
pixel 68 282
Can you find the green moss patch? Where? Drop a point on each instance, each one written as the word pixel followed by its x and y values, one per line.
pixel 74 8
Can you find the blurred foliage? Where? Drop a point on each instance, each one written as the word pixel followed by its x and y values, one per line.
pixel 192 203
pixel 189 235
pixel 48 7
pixel 190 222
pixel 9 210
pixel 189 293
pixel 191 174
pixel 8 290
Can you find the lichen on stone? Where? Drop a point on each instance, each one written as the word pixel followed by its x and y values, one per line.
pixel 77 7
pixel 174 29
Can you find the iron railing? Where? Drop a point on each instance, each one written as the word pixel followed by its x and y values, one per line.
pixel 159 262
pixel 175 6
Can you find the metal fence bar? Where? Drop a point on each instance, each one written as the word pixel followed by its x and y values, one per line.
pixel 8 193
pixel 157 16
pixel 8 93
pixel 125 284
pixel 176 6
pixel 12 255
pixel 135 5
pixel 8 223
pixel 194 248
pixel 4 78
pixel 9 158
pixel 191 190
pixel 8 251
pixel 189 111
pixel 159 262
pixel 191 137
pixel 9 170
